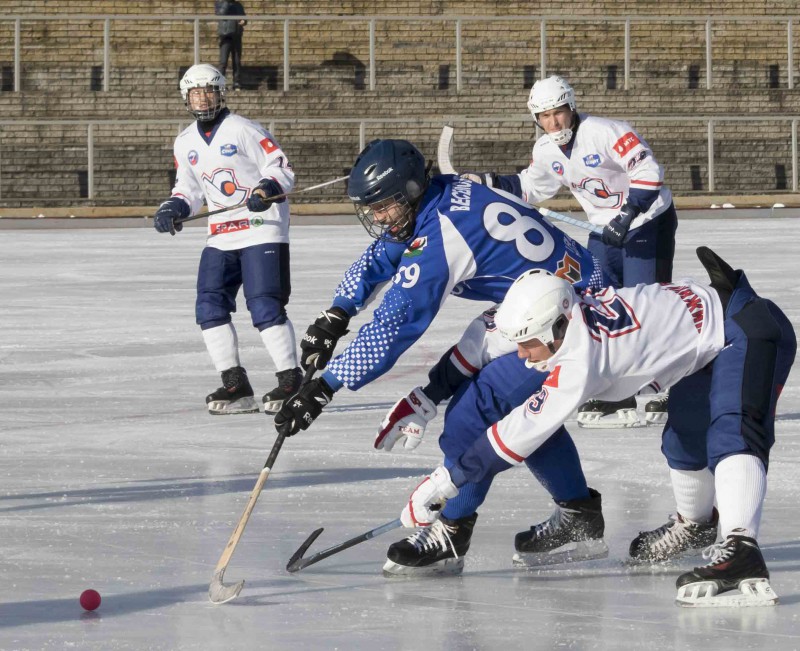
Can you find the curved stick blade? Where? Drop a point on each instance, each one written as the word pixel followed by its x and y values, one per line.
pixel 295 562
pixel 219 593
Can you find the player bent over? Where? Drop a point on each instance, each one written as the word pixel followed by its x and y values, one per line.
pixel 229 160
pixel 435 237
pixel 729 351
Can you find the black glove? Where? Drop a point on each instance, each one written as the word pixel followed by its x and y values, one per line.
pixel 615 231
pixel 321 337
pixel 172 209
pixel 259 201
pixel 299 411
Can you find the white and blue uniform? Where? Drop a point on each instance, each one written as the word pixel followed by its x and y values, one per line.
pixel 468 241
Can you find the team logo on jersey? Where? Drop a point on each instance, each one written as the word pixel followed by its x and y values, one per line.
pixel 222 189
pixel 569 269
pixel 598 189
pixel 626 143
pixel 592 160
pixel 638 158
pixel 416 247
pixel 558 168
pixel 193 157
pixel 229 150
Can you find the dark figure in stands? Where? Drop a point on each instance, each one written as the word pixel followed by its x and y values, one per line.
pixel 230 37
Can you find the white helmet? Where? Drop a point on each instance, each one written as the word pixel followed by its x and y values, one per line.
pixel 204 75
pixel 548 94
pixel 536 306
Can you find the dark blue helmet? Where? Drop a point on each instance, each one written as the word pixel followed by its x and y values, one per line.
pixel 386 184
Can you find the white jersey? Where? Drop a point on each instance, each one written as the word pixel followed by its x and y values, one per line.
pixel 618 343
pixel 223 168
pixel 607 160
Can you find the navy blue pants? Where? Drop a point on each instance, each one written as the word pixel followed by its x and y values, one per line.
pixel 728 407
pixel 500 386
pixel 645 257
pixel 261 270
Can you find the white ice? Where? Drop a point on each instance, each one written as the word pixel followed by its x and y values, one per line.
pixel 114 477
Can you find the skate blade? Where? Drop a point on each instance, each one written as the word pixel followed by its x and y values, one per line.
pixel 704 594
pixel 245 405
pixel 622 418
pixel 584 550
pixel 655 418
pixel 448 566
pixel 273 406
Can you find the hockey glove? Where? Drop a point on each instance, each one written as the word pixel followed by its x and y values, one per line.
pixel 427 500
pixel 261 200
pixel 615 231
pixel 406 422
pixel 321 338
pixel 489 179
pixel 172 209
pixel 302 409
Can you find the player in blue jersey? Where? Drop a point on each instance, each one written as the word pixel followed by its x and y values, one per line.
pixel 436 237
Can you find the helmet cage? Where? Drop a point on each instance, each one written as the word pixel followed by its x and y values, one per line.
pixel 399 224
pixel 215 96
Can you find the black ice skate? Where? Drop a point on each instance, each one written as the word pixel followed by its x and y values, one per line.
pixel 655 411
pixel 676 538
pixel 736 576
pixel 235 396
pixel 437 549
pixel 573 533
pixel 288 384
pixel 599 414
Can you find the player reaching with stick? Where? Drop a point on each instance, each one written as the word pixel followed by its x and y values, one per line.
pixel 226 159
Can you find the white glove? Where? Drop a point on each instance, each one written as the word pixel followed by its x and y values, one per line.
pixel 406 420
pixel 427 500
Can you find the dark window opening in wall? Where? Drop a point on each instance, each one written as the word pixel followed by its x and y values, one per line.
pixel 96 80
pixel 611 78
pixel 774 75
pixel 694 173
pixel 780 176
pixel 6 79
pixel 171 174
pixel 694 76
pixel 528 76
pixel 83 184
pixel 444 77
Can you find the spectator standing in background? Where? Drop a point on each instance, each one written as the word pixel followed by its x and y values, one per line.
pixel 230 37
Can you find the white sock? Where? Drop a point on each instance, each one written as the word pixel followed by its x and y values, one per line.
pixel 281 345
pixel 741 483
pixel 223 346
pixel 694 493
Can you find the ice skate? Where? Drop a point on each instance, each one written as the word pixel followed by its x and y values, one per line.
pixel 678 537
pixel 438 549
pixel 736 577
pixel 573 533
pixel 288 384
pixel 235 396
pixel 599 414
pixel 655 411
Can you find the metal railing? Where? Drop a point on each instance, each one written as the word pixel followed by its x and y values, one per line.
pixel 790 122
pixel 457 20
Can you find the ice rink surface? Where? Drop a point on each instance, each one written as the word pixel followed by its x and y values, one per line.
pixel 114 477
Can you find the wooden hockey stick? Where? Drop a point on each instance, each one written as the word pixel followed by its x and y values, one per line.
pixel 218 592
pixel 297 562
pixel 445 155
pixel 244 203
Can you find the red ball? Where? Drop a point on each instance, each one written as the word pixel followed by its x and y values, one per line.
pixel 90 599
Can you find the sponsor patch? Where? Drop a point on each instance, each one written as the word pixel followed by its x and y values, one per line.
pixel 638 158
pixel 558 168
pixel 552 379
pixel 193 157
pixel 569 269
pixel 268 146
pixel 416 247
pixel 592 160
pixel 626 143
pixel 229 227
pixel 229 150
